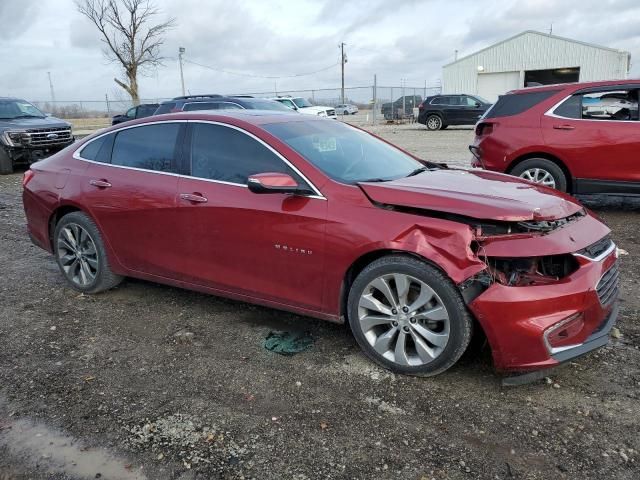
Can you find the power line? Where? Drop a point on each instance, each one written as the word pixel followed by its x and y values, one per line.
pixel 251 75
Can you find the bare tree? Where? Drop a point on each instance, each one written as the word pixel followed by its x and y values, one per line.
pixel 131 38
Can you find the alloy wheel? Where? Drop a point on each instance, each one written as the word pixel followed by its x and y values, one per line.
pixel 539 175
pixel 403 319
pixel 77 254
pixel 434 123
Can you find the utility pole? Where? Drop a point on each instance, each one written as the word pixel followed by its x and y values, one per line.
pixel 403 82
pixel 551 29
pixel 375 97
pixel 455 55
pixel 343 60
pixel 181 51
pixel 53 95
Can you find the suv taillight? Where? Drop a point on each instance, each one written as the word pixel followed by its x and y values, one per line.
pixel 484 128
pixel 421 106
pixel 28 175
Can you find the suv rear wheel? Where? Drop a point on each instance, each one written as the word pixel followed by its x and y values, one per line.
pixel 542 171
pixel 408 317
pixel 433 122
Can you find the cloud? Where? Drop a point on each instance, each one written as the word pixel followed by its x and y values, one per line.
pixel 408 39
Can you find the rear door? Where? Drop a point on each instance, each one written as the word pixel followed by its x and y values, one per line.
pixel 267 246
pixel 131 188
pixel 471 111
pixel 598 135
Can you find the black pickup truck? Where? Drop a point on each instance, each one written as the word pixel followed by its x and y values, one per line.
pixel 28 135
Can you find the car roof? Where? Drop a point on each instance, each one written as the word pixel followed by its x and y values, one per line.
pixel 576 86
pixel 249 116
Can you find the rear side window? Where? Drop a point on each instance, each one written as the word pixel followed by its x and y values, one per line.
pixel 98 150
pixel 439 101
pixel 516 103
pixel 165 108
pixel 225 154
pixel 150 147
pixel 190 107
pixel 603 105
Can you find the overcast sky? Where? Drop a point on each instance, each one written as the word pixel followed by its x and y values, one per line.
pixel 396 39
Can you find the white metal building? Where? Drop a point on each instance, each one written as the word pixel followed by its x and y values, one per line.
pixel 532 58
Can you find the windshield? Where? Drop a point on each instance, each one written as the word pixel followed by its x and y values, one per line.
pixel 301 102
pixel 268 105
pixel 483 100
pixel 18 109
pixel 344 153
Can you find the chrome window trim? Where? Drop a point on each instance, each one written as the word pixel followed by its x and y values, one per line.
pixel 240 107
pixel 600 257
pixel 550 113
pixel 76 155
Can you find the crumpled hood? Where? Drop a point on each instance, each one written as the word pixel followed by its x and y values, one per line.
pixel 474 193
pixel 26 123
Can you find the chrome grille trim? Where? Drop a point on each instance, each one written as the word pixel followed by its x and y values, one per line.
pixel 607 287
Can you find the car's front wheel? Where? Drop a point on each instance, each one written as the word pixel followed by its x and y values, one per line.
pixel 542 171
pixel 433 122
pixel 81 256
pixel 408 317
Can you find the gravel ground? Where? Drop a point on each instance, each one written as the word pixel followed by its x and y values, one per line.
pixel 148 381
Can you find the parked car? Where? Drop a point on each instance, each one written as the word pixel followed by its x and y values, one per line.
pixel 346 109
pixel 581 138
pixel 190 103
pixel 439 111
pixel 402 107
pixel 303 105
pixel 139 111
pixel 27 134
pixel 323 219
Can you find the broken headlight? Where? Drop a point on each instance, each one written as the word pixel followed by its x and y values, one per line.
pixel 528 271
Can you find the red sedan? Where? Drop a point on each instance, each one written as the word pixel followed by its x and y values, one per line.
pixel 323 219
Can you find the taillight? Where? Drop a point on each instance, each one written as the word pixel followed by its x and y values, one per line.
pixel 484 128
pixel 28 175
pixel 421 106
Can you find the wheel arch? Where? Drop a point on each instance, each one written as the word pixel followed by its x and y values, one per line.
pixel 365 259
pixel 57 214
pixel 547 156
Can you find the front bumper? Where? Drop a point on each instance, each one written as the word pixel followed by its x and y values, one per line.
pixel 515 319
pixel 28 154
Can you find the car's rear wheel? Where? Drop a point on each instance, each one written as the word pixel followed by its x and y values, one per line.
pixel 433 122
pixel 6 164
pixel 542 171
pixel 81 256
pixel 408 317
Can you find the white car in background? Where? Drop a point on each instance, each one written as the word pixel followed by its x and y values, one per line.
pixel 302 105
pixel 346 109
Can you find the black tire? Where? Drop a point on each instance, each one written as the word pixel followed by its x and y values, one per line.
pixel 544 165
pixel 433 122
pixel 460 322
pixel 104 278
pixel 6 164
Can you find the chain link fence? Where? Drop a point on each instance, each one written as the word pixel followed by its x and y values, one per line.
pixel 374 102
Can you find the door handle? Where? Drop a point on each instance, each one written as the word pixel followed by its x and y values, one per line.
pixel 564 127
pixel 99 183
pixel 193 197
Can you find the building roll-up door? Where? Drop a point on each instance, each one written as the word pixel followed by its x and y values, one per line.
pixel 491 85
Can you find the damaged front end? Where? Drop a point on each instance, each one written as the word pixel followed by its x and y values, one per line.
pixel 548 292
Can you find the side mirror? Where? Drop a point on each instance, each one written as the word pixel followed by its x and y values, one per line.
pixel 477 104
pixel 274 183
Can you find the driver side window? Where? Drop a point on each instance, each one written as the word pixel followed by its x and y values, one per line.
pixel 131 113
pixel 228 155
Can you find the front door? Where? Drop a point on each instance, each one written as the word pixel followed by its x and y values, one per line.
pixel 268 246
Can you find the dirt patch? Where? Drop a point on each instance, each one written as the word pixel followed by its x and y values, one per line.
pixel 155 377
